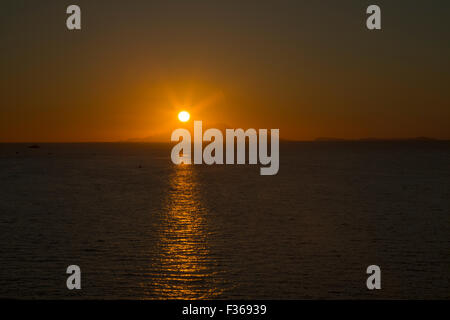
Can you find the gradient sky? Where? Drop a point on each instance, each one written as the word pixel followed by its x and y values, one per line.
pixel 310 68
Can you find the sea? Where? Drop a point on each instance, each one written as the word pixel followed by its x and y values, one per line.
pixel 140 227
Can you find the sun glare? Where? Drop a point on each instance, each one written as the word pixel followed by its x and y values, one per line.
pixel 184 116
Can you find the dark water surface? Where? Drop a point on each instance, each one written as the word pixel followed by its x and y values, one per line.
pixel 142 228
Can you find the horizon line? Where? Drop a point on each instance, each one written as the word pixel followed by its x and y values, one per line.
pixel 319 139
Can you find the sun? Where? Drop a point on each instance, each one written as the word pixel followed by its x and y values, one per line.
pixel 184 116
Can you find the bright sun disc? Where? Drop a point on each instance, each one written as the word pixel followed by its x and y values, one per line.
pixel 184 116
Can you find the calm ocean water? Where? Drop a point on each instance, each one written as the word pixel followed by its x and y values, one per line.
pixel 142 228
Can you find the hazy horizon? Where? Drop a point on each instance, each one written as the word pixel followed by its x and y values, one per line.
pixel 318 139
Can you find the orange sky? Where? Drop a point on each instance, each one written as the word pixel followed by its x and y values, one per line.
pixel 312 70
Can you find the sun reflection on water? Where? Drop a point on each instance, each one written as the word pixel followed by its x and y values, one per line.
pixel 185 267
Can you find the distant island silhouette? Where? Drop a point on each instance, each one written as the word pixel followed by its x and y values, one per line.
pixel 163 138
pixel 327 139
